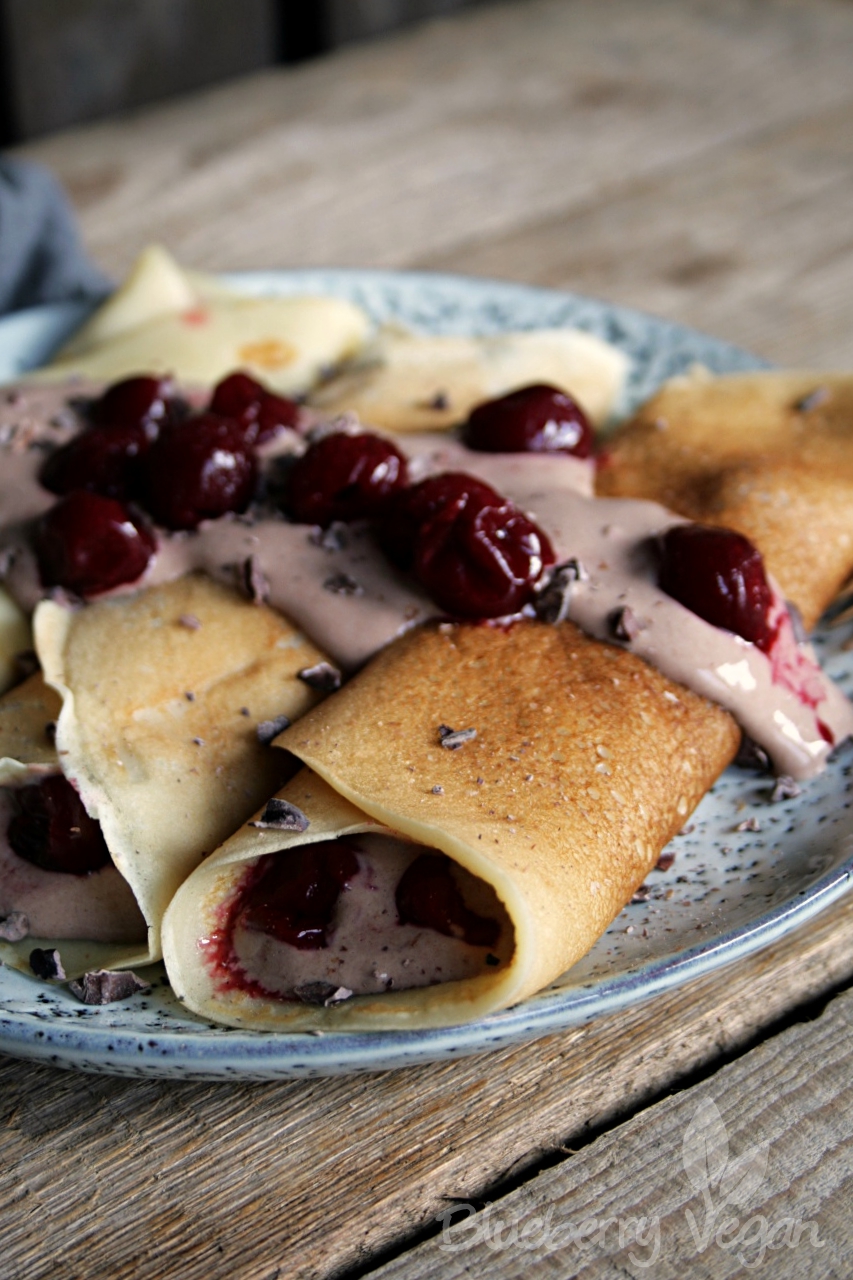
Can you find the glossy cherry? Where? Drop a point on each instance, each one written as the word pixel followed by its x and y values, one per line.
pixel 197 470
pixel 89 544
pixel 719 575
pixel 143 401
pixel 479 556
pixel 51 829
pixel 261 413
pixel 344 477
pixel 409 509
pixel 295 896
pixel 534 419
pixel 428 895
pixel 104 460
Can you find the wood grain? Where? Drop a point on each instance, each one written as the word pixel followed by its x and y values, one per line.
pixel 113 1178
pixel 791 1098
pixel 457 132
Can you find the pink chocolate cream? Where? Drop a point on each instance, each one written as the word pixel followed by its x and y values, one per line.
pixel 356 916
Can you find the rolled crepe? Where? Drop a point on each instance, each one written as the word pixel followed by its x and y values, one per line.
pixel 586 761
pixel 157 699
pixel 767 454
pixel 405 382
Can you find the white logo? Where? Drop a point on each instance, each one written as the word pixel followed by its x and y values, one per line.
pixel 726 1183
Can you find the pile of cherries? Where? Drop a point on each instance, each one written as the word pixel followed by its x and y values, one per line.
pixel 474 551
pixel 145 450
pixel 476 554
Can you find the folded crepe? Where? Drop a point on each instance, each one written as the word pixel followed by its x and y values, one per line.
pixel 584 763
pixel 768 454
pixel 403 382
pixel 155 701
pixel 167 321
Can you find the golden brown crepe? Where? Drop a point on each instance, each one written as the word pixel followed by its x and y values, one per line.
pixel 585 763
pixel 167 321
pixel 157 698
pixel 405 382
pixel 767 454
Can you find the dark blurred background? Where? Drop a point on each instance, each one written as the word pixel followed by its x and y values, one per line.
pixel 68 61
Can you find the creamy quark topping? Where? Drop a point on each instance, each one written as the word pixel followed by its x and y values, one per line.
pixel 339 588
pixel 368 949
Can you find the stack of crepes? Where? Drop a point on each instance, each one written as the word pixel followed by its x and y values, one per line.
pixel 584 762
pixel 150 704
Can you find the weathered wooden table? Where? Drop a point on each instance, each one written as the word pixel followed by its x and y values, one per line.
pixel 689 158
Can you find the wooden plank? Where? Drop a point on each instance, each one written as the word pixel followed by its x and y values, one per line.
pixel 750 242
pixel 384 154
pixel 774 1131
pixel 122 1178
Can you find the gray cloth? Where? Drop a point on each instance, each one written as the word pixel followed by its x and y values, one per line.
pixel 41 257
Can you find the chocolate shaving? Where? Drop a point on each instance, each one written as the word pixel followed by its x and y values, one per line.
pixel 749 824
pixel 47 965
pixel 341 584
pixel 453 739
pixel 190 621
pixel 785 788
pixel 323 676
pixel 552 604
pixel 664 862
pixel 269 729
pixel 642 894
pixel 255 581
pixel 105 986
pixel 335 538
pixel 813 400
pixel 751 756
pixel 15 927
pixel 281 815
pixel 437 790
pixel 625 625
pixel 441 400
pixel 26 663
pixel 321 993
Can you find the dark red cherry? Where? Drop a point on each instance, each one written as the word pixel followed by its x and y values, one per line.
pixel 719 575
pixel 479 558
pixel 344 477
pixel 104 460
pixel 136 402
pixel 88 544
pixel 260 412
pixel 428 895
pixel 535 419
pixel 51 829
pixel 294 898
pixel 197 470
pixel 409 509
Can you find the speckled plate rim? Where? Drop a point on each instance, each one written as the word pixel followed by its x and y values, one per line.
pixel 436 303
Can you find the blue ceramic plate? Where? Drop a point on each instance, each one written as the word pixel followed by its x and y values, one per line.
pixel 729 891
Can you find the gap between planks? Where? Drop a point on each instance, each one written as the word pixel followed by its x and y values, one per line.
pixel 751 1168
